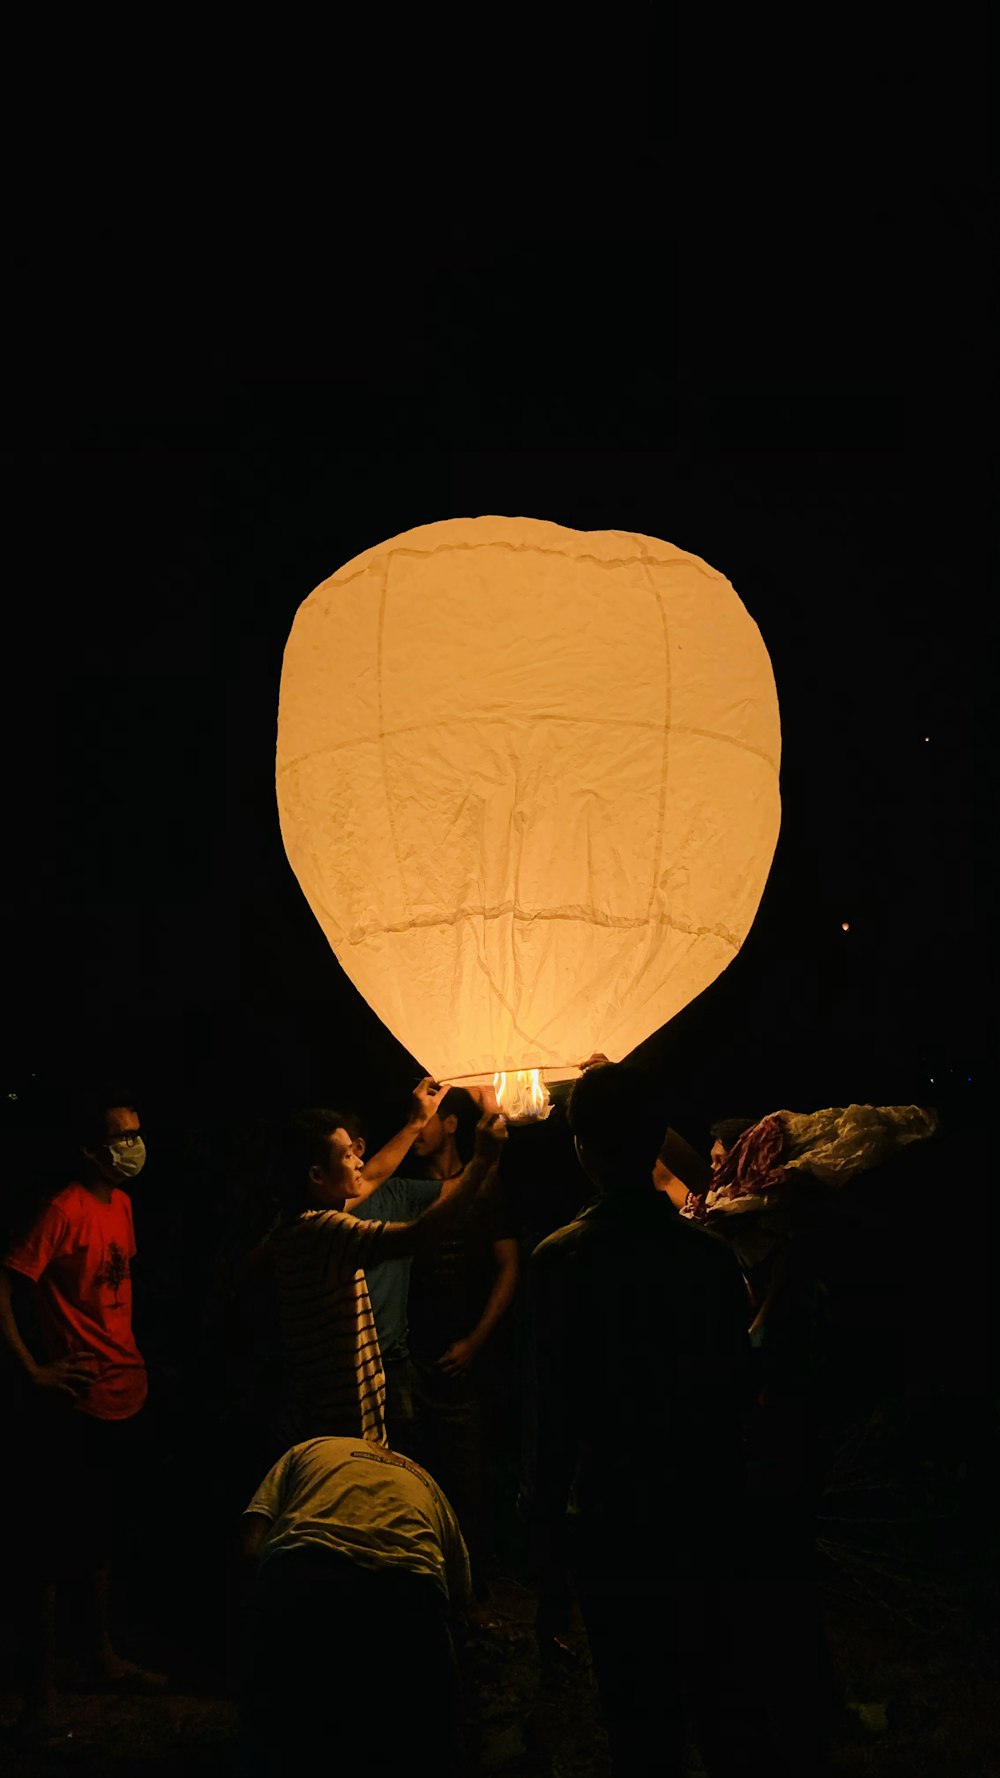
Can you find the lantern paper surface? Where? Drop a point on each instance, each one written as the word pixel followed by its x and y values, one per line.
pixel 527 779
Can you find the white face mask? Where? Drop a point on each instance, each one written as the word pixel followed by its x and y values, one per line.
pixel 127 1155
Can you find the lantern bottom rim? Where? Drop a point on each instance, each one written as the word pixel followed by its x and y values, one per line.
pixel 563 1071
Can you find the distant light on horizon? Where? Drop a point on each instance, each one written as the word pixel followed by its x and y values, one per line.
pixel 845 925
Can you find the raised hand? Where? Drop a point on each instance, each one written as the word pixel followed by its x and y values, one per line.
pixel 485 1096
pixel 427 1095
pixel 491 1134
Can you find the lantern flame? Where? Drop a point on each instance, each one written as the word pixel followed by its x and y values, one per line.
pixel 522 1097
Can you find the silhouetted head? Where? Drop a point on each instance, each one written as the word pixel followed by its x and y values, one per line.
pixel 725 1134
pixel 456 1118
pixel 617 1119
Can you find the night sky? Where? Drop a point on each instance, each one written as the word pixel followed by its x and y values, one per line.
pixel 737 299
pixel 805 418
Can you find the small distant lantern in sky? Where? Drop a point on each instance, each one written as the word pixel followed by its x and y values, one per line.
pixel 527 779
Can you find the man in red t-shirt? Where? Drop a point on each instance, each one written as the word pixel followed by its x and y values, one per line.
pixel 87 1388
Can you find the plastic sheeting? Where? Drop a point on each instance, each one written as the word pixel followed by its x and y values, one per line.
pixel 843 1140
pixel 527 779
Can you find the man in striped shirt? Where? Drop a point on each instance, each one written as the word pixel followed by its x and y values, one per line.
pixel 335 1379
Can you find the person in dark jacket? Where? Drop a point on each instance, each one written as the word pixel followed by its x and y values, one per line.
pixel 638 1366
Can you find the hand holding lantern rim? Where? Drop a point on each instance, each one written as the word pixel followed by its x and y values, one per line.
pixel 484 1094
pixel 427 1096
pixel 491 1134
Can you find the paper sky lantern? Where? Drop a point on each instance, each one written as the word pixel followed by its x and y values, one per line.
pixel 527 779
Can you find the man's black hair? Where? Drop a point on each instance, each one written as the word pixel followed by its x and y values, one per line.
pixel 87 1124
pixel 306 1143
pixel 616 1111
pixel 460 1104
pixel 728 1130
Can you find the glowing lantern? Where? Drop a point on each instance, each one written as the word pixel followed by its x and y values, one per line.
pixel 528 782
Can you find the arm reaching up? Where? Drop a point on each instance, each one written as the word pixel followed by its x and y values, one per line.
pixel 426 1097
pixel 401 1239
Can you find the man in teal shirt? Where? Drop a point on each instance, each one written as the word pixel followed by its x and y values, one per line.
pixel 398 1200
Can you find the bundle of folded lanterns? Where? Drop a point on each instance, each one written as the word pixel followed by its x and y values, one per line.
pixel 832 1145
pixel 752 1199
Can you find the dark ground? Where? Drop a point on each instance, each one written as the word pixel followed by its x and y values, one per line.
pixel 917 1692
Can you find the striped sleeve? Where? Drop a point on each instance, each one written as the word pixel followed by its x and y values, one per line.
pixel 351 1244
pixel 335 1373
